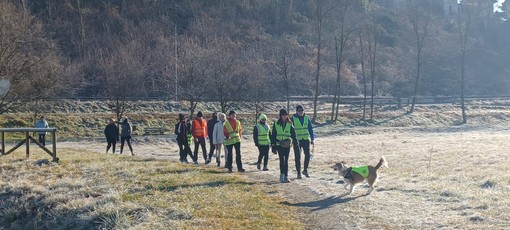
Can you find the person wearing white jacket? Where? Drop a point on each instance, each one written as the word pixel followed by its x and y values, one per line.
pixel 218 137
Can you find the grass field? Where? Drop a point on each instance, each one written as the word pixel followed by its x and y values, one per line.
pixel 440 175
pixel 97 191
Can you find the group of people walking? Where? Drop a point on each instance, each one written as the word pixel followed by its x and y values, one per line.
pixel 225 134
pixel 111 132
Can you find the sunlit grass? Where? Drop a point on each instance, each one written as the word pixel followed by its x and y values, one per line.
pixel 90 190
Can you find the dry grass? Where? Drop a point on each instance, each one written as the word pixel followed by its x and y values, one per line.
pixel 97 191
pixel 435 180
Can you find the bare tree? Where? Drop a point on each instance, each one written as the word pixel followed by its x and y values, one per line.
pixel 321 11
pixel 418 12
pixel 124 69
pixel 464 24
pixel 28 59
pixel 346 18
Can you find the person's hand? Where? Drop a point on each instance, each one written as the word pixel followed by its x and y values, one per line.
pixel 195 139
pixel 311 142
pixel 256 145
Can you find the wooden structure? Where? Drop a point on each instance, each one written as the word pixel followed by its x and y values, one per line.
pixel 149 131
pixel 29 138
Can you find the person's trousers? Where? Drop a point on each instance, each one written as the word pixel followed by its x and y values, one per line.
pixel 184 150
pixel 111 143
pixel 128 140
pixel 212 147
pixel 200 142
pixel 42 139
pixel 239 163
pixel 263 154
pixel 283 155
pixel 305 145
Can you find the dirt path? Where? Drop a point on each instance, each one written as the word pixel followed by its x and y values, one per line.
pixel 319 210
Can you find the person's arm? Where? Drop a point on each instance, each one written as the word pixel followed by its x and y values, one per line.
pixel 310 131
pixel 225 131
pixel 240 130
pixel 273 134
pixel 256 135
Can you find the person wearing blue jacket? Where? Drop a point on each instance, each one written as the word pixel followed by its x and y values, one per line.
pixel 305 136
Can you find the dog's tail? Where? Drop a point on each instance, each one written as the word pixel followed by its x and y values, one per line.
pixel 381 163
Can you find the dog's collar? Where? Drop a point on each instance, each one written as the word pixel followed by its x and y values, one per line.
pixel 348 174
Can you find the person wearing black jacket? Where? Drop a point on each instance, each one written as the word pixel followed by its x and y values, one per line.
pixel 283 136
pixel 182 130
pixel 210 128
pixel 125 135
pixel 111 132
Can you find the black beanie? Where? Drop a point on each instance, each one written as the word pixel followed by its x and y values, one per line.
pixel 283 112
pixel 199 114
pixel 299 107
pixel 181 117
pixel 231 112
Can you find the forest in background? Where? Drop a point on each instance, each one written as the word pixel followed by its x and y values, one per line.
pixel 250 50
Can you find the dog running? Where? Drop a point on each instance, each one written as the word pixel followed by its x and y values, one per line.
pixel 356 175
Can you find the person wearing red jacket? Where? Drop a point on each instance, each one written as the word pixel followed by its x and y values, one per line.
pixel 199 132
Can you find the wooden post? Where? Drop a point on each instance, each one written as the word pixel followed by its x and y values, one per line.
pixel 54 140
pixel 3 143
pixel 27 134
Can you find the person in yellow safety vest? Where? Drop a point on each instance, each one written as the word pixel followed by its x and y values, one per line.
pixel 199 131
pixel 233 133
pixel 305 137
pixel 282 136
pixel 261 133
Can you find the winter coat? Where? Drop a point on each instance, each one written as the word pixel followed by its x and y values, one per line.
pixel 41 124
pixel 111 132
pixel 218 136
pixel 126 129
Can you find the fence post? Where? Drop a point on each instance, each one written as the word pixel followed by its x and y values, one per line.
pixel 27 134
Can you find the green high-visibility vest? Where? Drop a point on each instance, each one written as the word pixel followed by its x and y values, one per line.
pixel 282 133
pixel 362 170
pixel 190 138
pixel 233 134
pixel 263 137
pixel 301 129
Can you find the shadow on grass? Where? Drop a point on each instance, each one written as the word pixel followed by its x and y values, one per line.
pixel 324 203
pixel 211 184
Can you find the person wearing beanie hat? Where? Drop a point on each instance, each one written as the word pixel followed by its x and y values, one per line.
pixel 305 137
pixel 282 137
pixel 210 127
pixel 261 133
pixel 199 131
pixel 233 133
pixel 182 131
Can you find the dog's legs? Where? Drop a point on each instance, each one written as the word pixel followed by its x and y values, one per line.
pixel 351 189
pixel 370 190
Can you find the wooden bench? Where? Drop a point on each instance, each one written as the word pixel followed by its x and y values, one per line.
pixel 154 131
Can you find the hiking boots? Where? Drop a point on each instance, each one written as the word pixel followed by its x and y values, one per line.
pixel 286 179
pixel 241 170
pixel 207 161
pixel 305 173
pixel 282 177
pixel 298 176
pixel 265 168
pixel 258 165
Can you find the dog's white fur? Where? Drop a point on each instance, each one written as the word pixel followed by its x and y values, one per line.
pixel 356 178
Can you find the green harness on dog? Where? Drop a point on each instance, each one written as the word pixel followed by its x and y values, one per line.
pixel 361 170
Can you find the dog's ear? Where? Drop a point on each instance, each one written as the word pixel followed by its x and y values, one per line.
pixel 336 167
pixel 343 162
